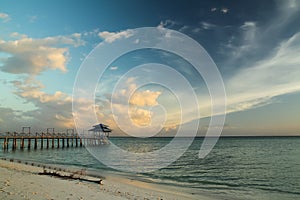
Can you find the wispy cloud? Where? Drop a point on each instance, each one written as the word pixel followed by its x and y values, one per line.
pixel 50 109
pixel 262 70
pixel 224 10
pixel 272 76
pixel 113 68
pixel 112 36
pixel 33 18
pixel 4 17
pixel 248 41
pixel 207 26
pixel 17 35
pixel 213 9
pixel 167 24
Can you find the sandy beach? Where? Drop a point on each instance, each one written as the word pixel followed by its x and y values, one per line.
pixel 20 181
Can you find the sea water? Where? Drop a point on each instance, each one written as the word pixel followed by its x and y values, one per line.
pixel 237 168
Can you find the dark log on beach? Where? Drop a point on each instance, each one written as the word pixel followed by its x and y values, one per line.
pixel 71 176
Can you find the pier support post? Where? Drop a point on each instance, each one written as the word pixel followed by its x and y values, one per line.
pixel 29 143
pixel 52 142
pixel 22 143
pixel 57 142
pixel 42 142
pixel 35 143
pixel 47 143
pixel 5 144
pixel 14 145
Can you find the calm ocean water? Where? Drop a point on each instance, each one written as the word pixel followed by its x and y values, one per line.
pixel 237 168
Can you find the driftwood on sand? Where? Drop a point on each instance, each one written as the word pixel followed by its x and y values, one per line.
pixel 78 175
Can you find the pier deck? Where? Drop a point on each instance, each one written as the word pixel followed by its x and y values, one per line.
pixel 48 140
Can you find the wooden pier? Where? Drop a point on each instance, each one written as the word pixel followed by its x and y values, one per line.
pixel 39 140
pixel 49 139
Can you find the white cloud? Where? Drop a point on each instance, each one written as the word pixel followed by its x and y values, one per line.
pixel 145 98
pixel 93 33
pixel 112 36
pixel 140 117
pixel 5 17
pixel 51 110
pixel 130 108
pixel 248 25
pixel 213 9
pixel 113 68
pixel 167 24
pixel 224 10
pixel 18 35
pixel 32 56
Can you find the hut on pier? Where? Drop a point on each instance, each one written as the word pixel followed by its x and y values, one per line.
pixel 100 133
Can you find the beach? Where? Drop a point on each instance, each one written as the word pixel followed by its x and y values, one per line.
pixel 20 181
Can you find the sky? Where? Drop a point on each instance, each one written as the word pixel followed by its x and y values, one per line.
pixel 254 44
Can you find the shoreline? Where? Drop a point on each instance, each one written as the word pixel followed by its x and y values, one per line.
pixel 22 181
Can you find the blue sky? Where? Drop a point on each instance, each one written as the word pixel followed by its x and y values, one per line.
pixel 254 44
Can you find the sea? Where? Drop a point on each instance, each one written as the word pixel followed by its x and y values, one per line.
pixel 237 167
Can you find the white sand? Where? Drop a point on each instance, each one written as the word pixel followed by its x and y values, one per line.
pixel 20 181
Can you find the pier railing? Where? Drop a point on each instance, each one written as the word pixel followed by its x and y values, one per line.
pixel 47 140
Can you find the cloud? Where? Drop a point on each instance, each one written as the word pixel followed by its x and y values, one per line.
pixel 112 36
pixel 113 68
pixel 17 35
pixel 213 9
pixel 51 110
pixel 272 76
pixel 144 98
pixel 33 18
pixel 32 56
pixel 264 62
pixel 130 108
pixel 140 117
pixel 5 17
pixel 248 45
pixel 167 24
pixel 224 10
pixel 248 40
pixel 207 26
pixel 9 118
pixel 248 25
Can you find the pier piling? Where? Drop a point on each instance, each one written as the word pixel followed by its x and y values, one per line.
pixel 69 139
